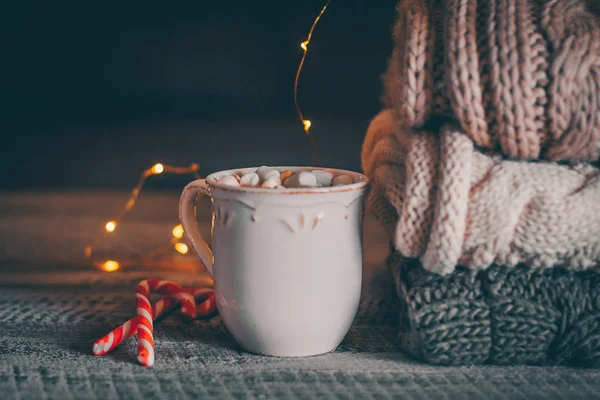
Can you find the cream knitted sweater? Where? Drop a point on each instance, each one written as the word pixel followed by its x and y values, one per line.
pixel 447 203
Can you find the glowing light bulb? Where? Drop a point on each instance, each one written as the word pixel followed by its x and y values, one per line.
pixel 181 248
pixel 158 168
pixel 111 226
pixel 304 45
pixel 307 124
pixel 110 266
pixel 178 231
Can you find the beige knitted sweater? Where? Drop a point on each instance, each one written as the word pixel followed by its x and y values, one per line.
pixel 447 203
pixel 520 76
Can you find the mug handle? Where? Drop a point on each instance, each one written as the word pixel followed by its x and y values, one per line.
pixel 187 217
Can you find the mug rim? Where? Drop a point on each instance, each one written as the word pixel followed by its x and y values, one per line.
pixel 361 181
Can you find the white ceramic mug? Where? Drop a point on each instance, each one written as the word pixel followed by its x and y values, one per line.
pixel 286 263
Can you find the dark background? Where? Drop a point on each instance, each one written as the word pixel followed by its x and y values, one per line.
pixel 92 93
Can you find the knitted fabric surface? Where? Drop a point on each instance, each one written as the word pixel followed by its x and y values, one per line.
pixel 500 315
pixel 521 77
pixel 448 204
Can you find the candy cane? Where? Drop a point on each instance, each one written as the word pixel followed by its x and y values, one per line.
pixel 145 353
pixel 188 303
pixel 208 306
pixel 111 340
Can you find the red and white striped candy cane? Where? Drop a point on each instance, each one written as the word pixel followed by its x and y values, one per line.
pixel 145 353
pixel 166 288
pixel 208 306
pixel 110 341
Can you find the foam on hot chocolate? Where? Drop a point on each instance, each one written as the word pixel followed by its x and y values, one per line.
pixel 280 178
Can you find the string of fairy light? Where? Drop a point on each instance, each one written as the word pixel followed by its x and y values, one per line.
pixel 112 225
pixel 306 123
pixel 159 169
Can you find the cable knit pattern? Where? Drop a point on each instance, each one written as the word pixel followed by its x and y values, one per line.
pixel 520 77
pixel 453 184
pixel 412 63
pixel 456 205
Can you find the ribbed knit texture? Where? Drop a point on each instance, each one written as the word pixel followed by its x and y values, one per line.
pixel 501 315
pixel 521 77
pixel 447 204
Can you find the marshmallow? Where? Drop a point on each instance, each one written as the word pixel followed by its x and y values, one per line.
pixel 271 183
pixel 229 180
pixel 301 180
pixel 261 170
pixel 265 173
pixel 342 180
pixel 250 179
pixel 324 178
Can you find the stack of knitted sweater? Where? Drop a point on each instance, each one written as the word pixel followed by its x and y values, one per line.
pixel 484 173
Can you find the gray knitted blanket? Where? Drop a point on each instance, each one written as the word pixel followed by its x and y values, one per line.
pixel 53 305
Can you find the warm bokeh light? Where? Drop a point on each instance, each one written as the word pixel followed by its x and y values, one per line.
pixel 304 45
pixel 110 266
pixel 181 248
pixel 178 231
pixel 307 124
pixel 110 226
pixel 158 168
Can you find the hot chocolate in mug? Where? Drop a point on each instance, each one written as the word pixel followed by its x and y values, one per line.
pixel 286 263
